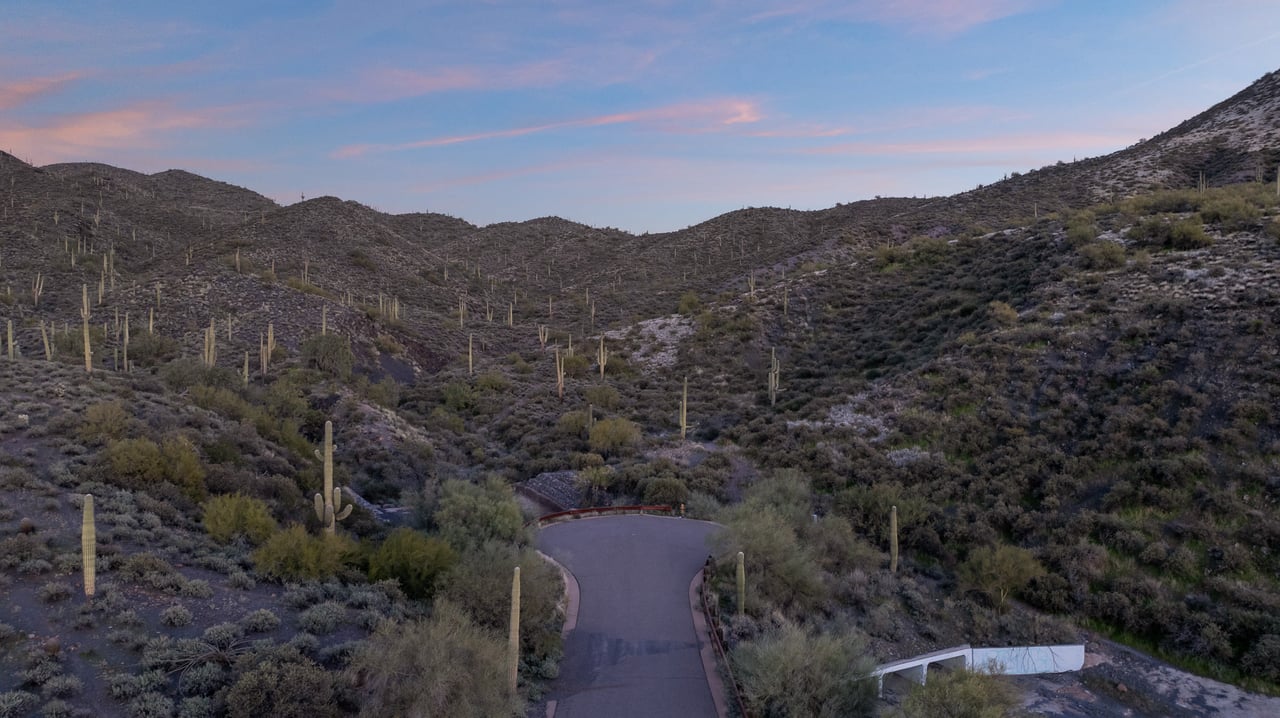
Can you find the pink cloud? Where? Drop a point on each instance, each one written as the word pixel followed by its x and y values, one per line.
pixel 20 92
pixel 686 117
pixel 946 17
pixel 389 84
pixel 134 126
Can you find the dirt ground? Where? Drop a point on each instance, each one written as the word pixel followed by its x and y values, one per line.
pixel 1118 681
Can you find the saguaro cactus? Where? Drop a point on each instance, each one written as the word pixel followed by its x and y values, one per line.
pixel 84 315
pixel 602 356
pixel 775 371
pixel 513 634
pixel 559 374
pixel 684 409
pixel 893 539
pixel 742 584
pixel 89 547
pixel 328 505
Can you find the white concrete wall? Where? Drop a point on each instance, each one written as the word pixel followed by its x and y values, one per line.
pixel 1028 660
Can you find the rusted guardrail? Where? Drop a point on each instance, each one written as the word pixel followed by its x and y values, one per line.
pixel 601 511
pixel 713 626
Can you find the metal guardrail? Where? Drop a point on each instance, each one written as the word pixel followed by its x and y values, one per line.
pixel 713 626
pixel 601 511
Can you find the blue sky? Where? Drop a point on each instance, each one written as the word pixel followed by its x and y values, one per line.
pixel 648 115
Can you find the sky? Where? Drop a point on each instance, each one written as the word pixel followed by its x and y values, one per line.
pixel 645 115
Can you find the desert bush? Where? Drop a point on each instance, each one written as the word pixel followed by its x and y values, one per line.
pixel 614 435
pixel 576 365
pixel 151 705
pixel 492 383
pixel 328 353
pixel 260 621
pixel 603 396
pixel 104 421
pixel 1103 255
pixel 1003 313
pixel 63 686
pixel 1231 213
pixel 141 464
pixel 961 694
pixel 1263 659
pixel 469 514
pixel 280 683
pixel 176 616
pixel 322 618
pixel 149 350
pixel 458 396
pixel 998 571
pixel 16 704
pixel 1082 229
pixel 465 662
pixel 781 572
pixel 415 561
pixel 665 490
pixel 54 591
pixel 481 582
pixel 293 554
pixel 232 515
pixel 689 303
pixel 788 672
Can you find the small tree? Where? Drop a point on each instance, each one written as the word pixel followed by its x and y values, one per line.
pixel 613 435
pixel 415 560
pixel 789 672
pixel 465 666
pixel 999 571
pixel 960 694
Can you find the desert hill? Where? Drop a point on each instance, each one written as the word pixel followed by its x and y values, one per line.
pixel 1065 381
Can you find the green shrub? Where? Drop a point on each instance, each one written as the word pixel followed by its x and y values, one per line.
pixel 999 571
pixel 141 464
pixel 149 350
pixel 492 383
pixel 469 514
pixel 1231 213
pixel 466 665
pixel 281 683
pixel 961 694
pixel 15 704
pixel 603 396
pixel 231 515
pixel 104 421
pixel 293 554
pixel 1189 234
pixel 781 572
pixel 614 435
pixel 1081 229
pixel 788 672
pixel 176 616
pixel 415 561
pixel 260 621
pixel 576 365
pixel 322 618
pixel 689 303
pixel 328 353
pixel 1103 255
pixel 481 582
pixel 458 396
pixel 666 490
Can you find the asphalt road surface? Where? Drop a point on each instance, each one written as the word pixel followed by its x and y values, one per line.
pixel 634 653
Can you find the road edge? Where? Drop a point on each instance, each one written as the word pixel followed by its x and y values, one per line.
pixel 705 650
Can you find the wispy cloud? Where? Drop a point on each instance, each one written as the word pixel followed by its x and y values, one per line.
pixel 135 126
pixel 1046 142
pixel 19 92
pixel 682 117
pixel 944 17
pixel 393 83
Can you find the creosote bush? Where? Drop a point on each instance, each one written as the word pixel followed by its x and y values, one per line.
pixel 232 515
pixel 412 559
pixel 614 435
pixel 466 665
pixel 789 672
pixel 293 554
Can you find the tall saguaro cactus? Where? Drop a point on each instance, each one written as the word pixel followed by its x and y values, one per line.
pixel 89 547
pixel 893 539
pixel 602 356
pixel 684 409
pixel 84 315
pixel 328 505
pixel 775 370
pixel 742 583
pixel 513 634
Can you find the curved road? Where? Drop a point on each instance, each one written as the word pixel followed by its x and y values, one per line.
pixel 634 652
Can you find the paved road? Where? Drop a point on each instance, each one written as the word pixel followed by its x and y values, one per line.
pixel 634 653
